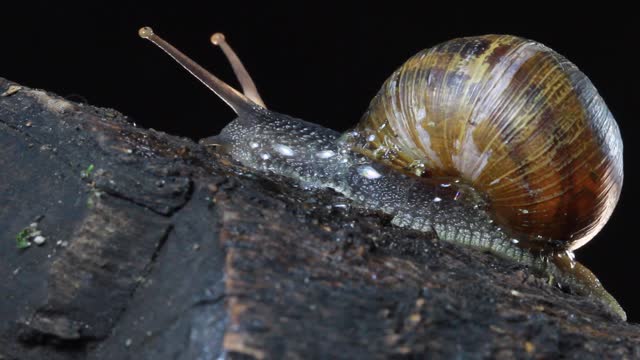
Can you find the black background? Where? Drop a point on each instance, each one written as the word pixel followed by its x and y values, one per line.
pixel 318 62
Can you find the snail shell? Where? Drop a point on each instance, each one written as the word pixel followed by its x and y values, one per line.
pixel 515 120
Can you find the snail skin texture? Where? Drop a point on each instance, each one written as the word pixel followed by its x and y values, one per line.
pixel 494 141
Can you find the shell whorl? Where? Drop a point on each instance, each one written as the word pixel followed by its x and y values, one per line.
pixel 514 119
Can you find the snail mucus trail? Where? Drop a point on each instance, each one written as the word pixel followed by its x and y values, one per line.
pixel 494 142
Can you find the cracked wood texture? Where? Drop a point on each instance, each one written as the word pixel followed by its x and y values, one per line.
pixel 159 248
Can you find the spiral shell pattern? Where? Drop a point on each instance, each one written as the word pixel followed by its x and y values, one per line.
pixel 515 120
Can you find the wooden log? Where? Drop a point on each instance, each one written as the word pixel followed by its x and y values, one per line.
pixel 157 247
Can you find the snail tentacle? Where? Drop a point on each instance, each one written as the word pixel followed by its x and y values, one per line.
pixel 246 82
pixel 229 95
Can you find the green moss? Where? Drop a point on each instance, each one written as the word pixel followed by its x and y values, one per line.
pixel 86 172
pixel 22 241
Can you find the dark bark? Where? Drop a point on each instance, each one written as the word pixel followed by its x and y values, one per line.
pixel 159 248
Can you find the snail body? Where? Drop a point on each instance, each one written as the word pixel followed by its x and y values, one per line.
pixel 496 142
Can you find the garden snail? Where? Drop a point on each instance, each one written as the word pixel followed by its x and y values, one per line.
pixel 493 141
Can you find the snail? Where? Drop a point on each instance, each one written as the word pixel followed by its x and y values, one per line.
pixel 495 142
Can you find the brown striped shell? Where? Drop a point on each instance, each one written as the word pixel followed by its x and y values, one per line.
pixel 514 119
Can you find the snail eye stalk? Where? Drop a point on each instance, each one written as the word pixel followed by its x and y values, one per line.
pixel 237 101
pixel 248 86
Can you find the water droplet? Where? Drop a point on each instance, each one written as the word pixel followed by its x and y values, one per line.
pixel 265 156
pixel 371 137
pixel 253 145
pixel 283 150
pixel 524 211
pixel 353 134
pixel 325 154
pixel 369 172
pixel 437 199
pixel 39 240
pixel 445 185
pixel 515 241
pixel 341 206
